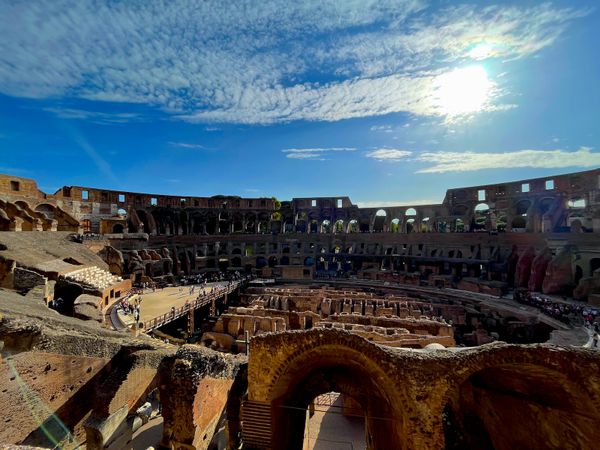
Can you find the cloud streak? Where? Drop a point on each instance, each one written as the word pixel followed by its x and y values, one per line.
pixel 94 116
pixel 388 154
pixel 444 162
pixel 187 145
pixel 315 154
pixel 259 62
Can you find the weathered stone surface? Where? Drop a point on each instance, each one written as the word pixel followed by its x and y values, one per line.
pixel 538 270
pixel 559 274
pixel 412 389
pixel 524 267
pixel 194 392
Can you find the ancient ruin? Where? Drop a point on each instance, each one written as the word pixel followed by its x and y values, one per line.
pixel 131 319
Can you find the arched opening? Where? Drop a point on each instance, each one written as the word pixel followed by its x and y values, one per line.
pixel 326 226
pixel 285 261
pixel 118 228
pixel 518 224
pixel 309 261
pixel 353 226
pixel 339 226
pixel 410 225
pixel 23 205
pixel 410 212
pixel 272 261
pixel 441 226
pixel 314 226
pixel 223 264
pixel 352 376
pixel 238 226
pixel 46 210
pixel 459 225
pixel 263 226
pixel 501 223
pixel 379 221
pixel 121 212
pixel 480 218
pixel 224 225
pixel 261 262
pixel 250 225
pixel 236 262
pixel 212 225
pixel 425 225
pixel 395 225
pixel 522 207
pixel 537 404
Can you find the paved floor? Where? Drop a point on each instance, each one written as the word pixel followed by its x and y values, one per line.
pixel 160 302
pixel 329 429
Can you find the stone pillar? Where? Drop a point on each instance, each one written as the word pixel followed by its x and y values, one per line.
pixel 16 224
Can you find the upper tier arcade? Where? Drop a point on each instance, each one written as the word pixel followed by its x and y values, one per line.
pixel 569 202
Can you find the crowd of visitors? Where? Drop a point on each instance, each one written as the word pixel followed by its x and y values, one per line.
pixel 569 313
pixel 131 305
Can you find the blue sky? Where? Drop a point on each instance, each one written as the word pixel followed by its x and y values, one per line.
pixel 388 102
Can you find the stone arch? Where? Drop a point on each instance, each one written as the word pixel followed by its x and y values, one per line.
pixel 326 226
pixel 23 205
pixel 352 226
pixel 320 361
pixel 544 400
pixel 261 262
pixel 236 262
pixel 379 221
pixel 46 209
pixel 480 218
pixel 118 228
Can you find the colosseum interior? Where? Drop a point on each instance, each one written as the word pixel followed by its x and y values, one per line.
pixel 134 320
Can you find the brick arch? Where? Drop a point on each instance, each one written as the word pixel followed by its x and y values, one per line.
pixel 526 377
pixel 318 361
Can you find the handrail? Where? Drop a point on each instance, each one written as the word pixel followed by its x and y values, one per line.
pixel 165 318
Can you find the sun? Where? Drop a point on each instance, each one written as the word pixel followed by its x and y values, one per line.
pixel 462 91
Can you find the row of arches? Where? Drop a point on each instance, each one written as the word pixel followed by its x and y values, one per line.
pixel 533 215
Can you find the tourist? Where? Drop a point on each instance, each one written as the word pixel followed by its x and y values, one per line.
pixel 595 340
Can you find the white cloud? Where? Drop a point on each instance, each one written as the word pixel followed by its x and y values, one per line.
pixel 543 159
pixel 388 154
pixel 382 128
pixel 186 145
pixel 254 62
pixel 316 154
pixel 94 116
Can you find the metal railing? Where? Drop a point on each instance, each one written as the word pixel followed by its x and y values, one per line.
pixel 176 313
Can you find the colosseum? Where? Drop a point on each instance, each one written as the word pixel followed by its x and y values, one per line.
pixel 136 320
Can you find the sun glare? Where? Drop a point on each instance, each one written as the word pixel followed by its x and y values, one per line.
pixel 462 91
